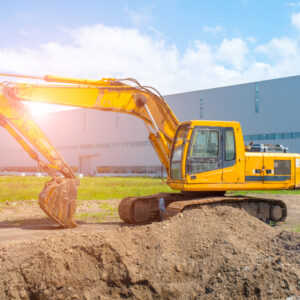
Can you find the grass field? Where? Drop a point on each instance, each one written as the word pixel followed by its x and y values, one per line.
pixel 296 228
pixel 16 188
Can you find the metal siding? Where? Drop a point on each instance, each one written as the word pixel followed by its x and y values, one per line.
pixel 186 106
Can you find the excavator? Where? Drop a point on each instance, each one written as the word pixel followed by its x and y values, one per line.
pixel 203 159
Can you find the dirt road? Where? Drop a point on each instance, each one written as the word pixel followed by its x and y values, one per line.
pixel 24 220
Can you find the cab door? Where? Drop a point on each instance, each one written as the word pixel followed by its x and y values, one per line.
pixel 204 160
pixel 231 170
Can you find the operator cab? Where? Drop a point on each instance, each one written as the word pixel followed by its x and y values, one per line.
pixel 202 148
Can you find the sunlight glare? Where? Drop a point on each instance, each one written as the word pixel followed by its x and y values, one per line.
pixel 37 109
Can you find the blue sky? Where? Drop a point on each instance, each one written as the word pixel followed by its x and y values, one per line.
pixel 175 46
pixel 180 22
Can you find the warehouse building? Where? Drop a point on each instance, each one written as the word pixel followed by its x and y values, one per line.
pixel 97 143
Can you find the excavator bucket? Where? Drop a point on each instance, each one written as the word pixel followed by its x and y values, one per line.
pixel 58 200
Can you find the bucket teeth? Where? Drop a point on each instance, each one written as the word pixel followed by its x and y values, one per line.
pixel 58 200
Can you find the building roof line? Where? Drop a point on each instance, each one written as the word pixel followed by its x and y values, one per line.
pixel 234 85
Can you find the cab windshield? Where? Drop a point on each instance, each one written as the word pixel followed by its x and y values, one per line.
pixel 176 158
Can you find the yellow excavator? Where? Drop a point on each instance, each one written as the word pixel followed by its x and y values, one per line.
pixel 203 159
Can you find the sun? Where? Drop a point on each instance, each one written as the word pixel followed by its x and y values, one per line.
pixel 38 109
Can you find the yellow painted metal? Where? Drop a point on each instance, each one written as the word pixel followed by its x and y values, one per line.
pixel 240 176
pixel 102 82
pixel 15 118
pixel 18 118
pixel 268 165
pixel 18 138
pixel 236 173
pixel 183 186
pixel 254 164
pixel 159 149
pixel 297 171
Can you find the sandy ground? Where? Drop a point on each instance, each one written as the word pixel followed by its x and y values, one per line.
pixel 25 220
pixel 207 253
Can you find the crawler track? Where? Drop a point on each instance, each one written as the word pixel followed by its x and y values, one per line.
pixel 159 206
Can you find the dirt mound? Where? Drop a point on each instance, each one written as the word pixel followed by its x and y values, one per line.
pixel 210 253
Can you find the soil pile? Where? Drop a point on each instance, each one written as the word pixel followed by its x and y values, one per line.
pixel 208 253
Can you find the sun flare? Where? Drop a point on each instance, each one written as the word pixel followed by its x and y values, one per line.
pixel 38 109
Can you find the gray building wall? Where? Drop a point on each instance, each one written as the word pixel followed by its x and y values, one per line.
pixel 105 139
pixel 278 106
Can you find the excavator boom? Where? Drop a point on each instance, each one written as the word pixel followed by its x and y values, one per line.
pixel 106 95
pixel 58 198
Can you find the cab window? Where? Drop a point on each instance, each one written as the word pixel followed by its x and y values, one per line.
pixel 229 145
pixel 176 159
pixel 205 144
pixel 204 151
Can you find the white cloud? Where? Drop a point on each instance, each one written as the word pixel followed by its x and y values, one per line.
pixel 213 30
pixel 293 4
pixel 279 47
pixel 24 32
pixel 251 39
pixel 295 19
pixel 233 52
pixel 139 17
pixel 102 51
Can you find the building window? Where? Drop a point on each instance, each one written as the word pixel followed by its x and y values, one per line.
pixel 279 136
pixel 272 136
pixel 256 97
pixel 295 135
pixel 287 135
pixel 201 105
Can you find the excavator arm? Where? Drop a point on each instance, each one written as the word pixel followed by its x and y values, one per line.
pixel 58 198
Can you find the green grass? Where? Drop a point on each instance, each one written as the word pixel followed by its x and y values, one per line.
pixel 108 213
pixel 15 188
pixel 119 187
pixel 296 228
pixel 277 192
